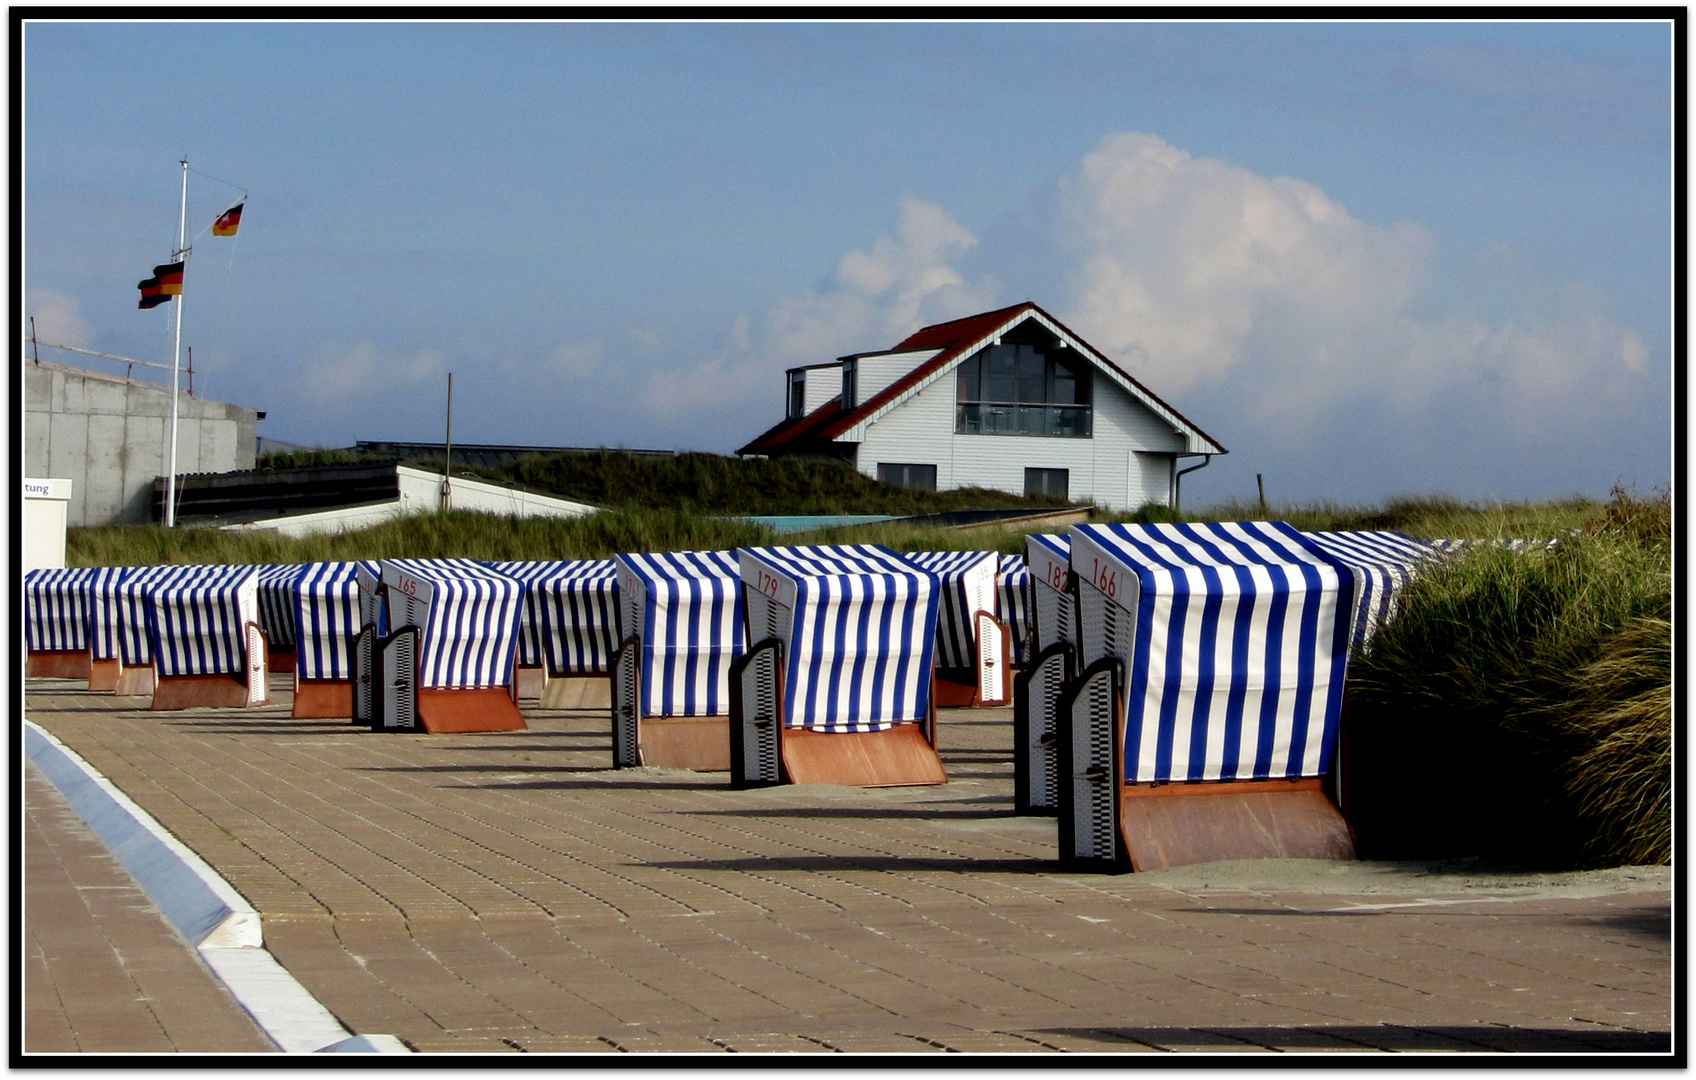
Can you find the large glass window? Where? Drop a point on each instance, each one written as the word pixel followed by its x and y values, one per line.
pixel 903 475
pixel 1047 484
pixel 1017 389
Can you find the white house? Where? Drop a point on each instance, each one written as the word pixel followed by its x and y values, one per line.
pixel 1008 399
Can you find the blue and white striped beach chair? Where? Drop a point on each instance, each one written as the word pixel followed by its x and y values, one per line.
pixel 837 684
pixel 681 617
pixel 56 622
pixel 453 635
pixel 325 622
pixel 973 644
pixel 1213 655
pixel 568 632
pixel 1051 663
pixel 203 634
pixel 101 618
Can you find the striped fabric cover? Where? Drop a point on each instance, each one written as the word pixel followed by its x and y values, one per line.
pixel 325 618
pixel 570 618
pixel 529 621
pixel 1048 559
pixel 276 604
pixel 196 619
pixel 686 609
pixel 135 647
pixel 56 609
pixel 858 624
pixel 101 615
pixel 1235 637
pixel 1014 585
pixel 1383 563
pixel 470 635
pixel 967 580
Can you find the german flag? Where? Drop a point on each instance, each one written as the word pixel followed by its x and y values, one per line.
pixel 152 294
pixel 166 282
pixel 228 222
pixel 170 277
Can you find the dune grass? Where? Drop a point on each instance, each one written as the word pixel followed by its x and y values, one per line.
pixel 1518 705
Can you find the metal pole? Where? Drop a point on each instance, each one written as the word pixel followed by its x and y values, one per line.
pixel 447 465
pixel 1260 482
pixel 176 353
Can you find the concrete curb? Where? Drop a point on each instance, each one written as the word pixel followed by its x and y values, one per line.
pixel 205 910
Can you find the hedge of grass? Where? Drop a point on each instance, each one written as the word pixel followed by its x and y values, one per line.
pixel 1519 704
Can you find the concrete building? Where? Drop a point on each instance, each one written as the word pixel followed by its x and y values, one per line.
pixel 110 436
pixel 1009 399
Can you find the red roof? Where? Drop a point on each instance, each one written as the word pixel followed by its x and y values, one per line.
pixel 956 339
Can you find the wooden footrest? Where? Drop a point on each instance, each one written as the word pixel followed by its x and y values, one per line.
pixel 896 757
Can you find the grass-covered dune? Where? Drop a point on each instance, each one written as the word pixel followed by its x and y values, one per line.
pixel 1519 704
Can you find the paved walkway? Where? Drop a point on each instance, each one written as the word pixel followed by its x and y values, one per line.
pixel 103 970
pixel 509 892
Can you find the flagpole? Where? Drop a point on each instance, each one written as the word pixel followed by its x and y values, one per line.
pixel 176 353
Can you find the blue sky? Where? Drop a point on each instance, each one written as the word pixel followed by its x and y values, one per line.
pixel 1370 259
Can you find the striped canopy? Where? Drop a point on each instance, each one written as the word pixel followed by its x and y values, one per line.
pixel 56 609
pixel 101 615
pixel 858 624
pixel 1053 612
pixel 1014 585
pixel 967 582
pixel 469 621
pixel 1382 563
pixel 1235 638
pixel 135 646
pixel 325 616
pixel 570 620
pixel 685 607
pixel 197 618
pixel 276 604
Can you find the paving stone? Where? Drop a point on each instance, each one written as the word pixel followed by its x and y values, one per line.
pixel 509 892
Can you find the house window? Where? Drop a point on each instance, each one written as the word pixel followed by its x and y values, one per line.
pixel 849 398
pixel 797 394
pixel 1047 484
pixel 913 477
pixel 1013 389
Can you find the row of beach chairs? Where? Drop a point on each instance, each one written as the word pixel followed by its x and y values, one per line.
pixel 1178 689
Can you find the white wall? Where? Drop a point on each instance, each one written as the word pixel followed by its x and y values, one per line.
pixel 878 370
pixel 921 431
pixel 822 384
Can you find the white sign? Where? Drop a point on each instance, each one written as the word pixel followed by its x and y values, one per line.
pixel 47 489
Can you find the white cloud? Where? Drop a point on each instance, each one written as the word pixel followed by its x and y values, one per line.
pixel 905 280
pixel 57 318
pixel 1196 273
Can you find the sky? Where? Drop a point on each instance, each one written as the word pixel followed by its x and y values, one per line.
pixel 1370 259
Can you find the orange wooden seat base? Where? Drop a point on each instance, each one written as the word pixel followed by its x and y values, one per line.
pixel 136 681
pixel 322 699
pixel 581 692
pixel 951 693
pixel 65 664
pixel 104 674
pixel 1166 825
pixel 701 743
pixel 896 757
pixel 487 709
pixel 194 691
pixel 277 660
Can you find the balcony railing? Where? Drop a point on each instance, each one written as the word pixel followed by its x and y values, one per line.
pixel 1005 418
